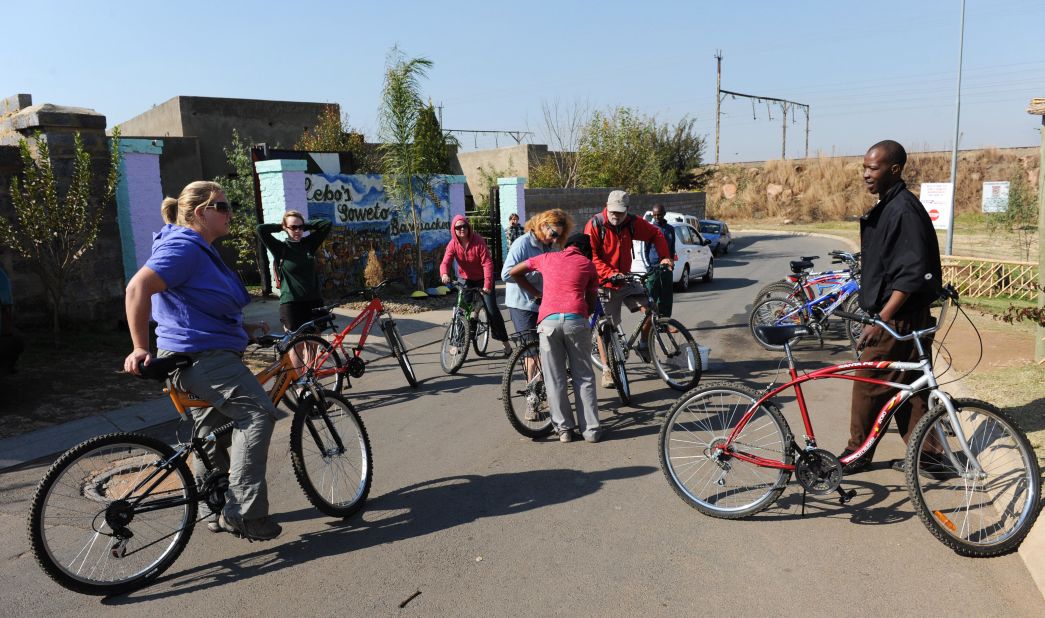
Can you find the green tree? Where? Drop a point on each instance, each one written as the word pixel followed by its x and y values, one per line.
pixel 620 149
pixel 333 133
pixel 407 177
pixel 53 231
pixel 681 154
pixel 239 187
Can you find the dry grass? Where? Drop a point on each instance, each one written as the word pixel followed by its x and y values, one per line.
pixel 832 188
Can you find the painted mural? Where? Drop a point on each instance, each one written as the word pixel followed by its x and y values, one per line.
pixel 364 219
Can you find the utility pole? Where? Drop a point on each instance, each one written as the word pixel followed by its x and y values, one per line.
pixel 957 124
pixel 785 105
pixel 718 100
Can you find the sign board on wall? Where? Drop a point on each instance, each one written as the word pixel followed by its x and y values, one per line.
pixel 995 196
pixel 936 197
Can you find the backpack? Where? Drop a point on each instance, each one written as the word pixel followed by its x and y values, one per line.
pixel 599 223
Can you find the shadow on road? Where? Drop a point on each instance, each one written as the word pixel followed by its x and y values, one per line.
pixel 415 511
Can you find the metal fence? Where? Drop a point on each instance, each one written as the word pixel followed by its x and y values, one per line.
pixel 991 278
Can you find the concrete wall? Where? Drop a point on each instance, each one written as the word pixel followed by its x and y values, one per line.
pixel 212 120
pixel 138 199
pixel 582 204
pixel 508 161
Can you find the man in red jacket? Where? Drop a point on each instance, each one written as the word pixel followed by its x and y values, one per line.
pixel 611 233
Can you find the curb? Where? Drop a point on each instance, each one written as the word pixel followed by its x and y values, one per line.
pixel 852 245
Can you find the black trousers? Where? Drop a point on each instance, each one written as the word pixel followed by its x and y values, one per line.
pixel 497 328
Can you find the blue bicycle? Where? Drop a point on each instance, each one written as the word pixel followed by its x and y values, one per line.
pixel 788 310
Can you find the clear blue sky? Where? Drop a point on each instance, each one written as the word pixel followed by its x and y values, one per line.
pixel 869 71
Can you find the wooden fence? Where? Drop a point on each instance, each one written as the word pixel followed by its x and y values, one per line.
pixel 991 278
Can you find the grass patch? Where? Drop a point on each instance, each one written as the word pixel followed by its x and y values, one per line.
pixel 1019 391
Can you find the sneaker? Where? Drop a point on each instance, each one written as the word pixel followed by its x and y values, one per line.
pixel 566 436
pixel 531 412
pixel 856 466
pixel 934 468
pixel 607 379
pixel 260 529
pixel 594 436
pixel 212 523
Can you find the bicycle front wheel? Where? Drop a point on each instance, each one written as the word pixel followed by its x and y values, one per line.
pixel 675 354
pixel 315 353
pixel 973 513
pixel 455 344
pixel 398 348
pixel 480 327
pixel 774 312
pixel 330 454
pixel 107 519
pixel 615 357
pixel 523 394
pixel 704 471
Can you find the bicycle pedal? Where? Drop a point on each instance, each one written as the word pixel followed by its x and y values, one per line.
pixel 845 496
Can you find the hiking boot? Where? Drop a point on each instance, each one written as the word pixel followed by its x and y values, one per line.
pixel 260 529
pixel 607 379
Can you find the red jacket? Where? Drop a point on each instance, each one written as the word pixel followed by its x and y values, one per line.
pixel 473 261
pixel 612 254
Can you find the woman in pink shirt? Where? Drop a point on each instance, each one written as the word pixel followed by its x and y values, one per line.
pixel 567 298
pixel 475 266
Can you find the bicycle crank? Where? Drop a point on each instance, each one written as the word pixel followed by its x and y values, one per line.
pixel 818 471
pixel 356 367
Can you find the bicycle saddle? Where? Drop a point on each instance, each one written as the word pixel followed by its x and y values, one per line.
pixel 779 335
pixel 798 266
pixel 162 368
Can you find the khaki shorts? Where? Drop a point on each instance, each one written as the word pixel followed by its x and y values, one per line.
pixel 631 294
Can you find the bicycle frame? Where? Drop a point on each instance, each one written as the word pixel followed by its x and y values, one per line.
pixel 840 293
pixel 282 369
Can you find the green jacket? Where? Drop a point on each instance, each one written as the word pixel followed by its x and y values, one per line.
pixel 296 261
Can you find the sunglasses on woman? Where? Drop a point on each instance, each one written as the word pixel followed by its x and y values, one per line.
pixel 222 207
pixel 460 227
pixel 294 228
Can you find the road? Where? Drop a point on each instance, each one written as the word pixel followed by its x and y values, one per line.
pixel 480 521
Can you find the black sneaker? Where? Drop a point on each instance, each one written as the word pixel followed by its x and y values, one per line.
pixel 856 466
pixel 260 529
pixel 933 468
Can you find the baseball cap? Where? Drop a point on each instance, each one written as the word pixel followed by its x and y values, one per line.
pixel 617 201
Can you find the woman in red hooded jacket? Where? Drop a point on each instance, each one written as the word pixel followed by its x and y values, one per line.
pixel 475 266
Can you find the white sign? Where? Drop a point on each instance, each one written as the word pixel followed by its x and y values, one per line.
pixel 995 196
pixel 936 197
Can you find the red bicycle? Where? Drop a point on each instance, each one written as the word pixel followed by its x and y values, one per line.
pixel 972 474
pixel 322 356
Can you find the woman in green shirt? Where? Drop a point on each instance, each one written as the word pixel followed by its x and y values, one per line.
pixel 295 260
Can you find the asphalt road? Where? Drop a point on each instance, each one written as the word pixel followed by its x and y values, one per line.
pixel 468 518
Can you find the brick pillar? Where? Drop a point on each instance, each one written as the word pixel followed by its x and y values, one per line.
pixel 513 200
pixel 138 199
pixel 282 183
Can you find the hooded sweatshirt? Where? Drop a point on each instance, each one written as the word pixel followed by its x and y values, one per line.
pixel 473 261
pixel 202 307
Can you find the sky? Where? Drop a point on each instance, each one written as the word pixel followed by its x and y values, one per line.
pixel 868 71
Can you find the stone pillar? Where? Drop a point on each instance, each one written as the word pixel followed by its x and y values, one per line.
pixel 513 200
pixel 138 199
pixel 282 183
pixel 457 184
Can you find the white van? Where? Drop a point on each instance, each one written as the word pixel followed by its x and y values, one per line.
pixel 675 217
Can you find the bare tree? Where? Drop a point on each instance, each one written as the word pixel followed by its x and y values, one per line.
pixel 561 128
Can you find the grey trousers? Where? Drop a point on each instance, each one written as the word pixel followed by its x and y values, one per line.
pixel 569 341
pixel 220 377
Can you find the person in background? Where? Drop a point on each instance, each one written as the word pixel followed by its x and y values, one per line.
pixel 611 233
pixel 545 231
pixel 475 266
pixel 11 344
pixel 514 230
pixel 197 302
pixel 295 265
pixel 900 278
pixel 660 286
pixel 570 284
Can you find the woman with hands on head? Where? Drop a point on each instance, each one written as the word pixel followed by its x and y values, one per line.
pixel 197 303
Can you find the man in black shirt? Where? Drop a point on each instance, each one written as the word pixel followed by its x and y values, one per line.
pixel 900 278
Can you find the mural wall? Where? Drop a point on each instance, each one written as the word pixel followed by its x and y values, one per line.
pixel 364 219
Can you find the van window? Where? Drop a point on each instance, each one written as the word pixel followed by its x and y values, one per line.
pixel 708 227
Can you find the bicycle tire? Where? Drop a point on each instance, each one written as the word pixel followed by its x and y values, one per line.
pixel 944 496
pixel 616 360
pixel 480 335
pixel 677 364
pixel 852 327
pixel 398 348
pixel 777 289
pixel 770 312
pixel 326 363
pixel 517 391
pixel 110 463
pixel 686 455
pixel 335 480
pixel 454 349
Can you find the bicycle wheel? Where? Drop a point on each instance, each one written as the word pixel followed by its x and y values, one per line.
pixel 455 344
pixel 524 397
pixel 398 348
pixel 703 472
pixel 330 454
pixel 315 352
pixel 675 354
pixel 852 327
pixel 615 357
pixel 88 531
pixel 974 514
pixel 774 312
pixel 777 289
pixel 480 328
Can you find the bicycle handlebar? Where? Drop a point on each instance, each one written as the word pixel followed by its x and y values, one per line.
pixel 948 294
